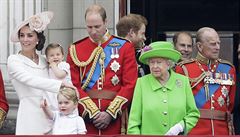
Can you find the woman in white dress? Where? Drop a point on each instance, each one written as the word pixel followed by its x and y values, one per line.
pixel 28 72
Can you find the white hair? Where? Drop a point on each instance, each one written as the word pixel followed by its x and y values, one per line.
pixel 170 62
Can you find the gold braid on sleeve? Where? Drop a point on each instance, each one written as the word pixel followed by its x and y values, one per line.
pixel 116 106
pixel 2 116
pixel 89 107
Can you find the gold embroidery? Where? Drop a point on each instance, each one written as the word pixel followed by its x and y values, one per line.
pixel 116 106
pixel 2 116
pixel 89 106
pixel 114 44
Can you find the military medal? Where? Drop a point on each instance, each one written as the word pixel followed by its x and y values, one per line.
pixel 211 79
pixel 224 91
pixel 218 78
pixel 221 101
pixel 114 53
pixel 207 78
pixel 115 66
pixel 224 82
pixel 115 80
pixel 229 80
pixel 226 79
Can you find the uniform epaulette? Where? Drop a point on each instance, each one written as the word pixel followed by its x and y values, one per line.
pixel 120 38
pixel 80 40
pixel 185 62
pixel 225 62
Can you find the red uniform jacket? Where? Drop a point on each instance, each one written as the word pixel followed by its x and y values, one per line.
pixel 122 85
pixel 3 101
pixel 213 97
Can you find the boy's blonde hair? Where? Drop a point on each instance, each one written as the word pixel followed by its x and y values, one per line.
pixel 69 93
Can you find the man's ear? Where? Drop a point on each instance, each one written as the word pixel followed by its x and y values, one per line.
pixel 105 22
pixel 199 46
pixel 131 32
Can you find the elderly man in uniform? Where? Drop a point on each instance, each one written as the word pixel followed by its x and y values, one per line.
pixel 104 69
pixel 213 85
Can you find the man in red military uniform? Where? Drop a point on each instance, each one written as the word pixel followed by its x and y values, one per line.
pixel 104 69
pixel 132 27
pixel 213 85
pixel 3 102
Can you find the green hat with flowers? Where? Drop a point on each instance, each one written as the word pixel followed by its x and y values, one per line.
pixel 161 49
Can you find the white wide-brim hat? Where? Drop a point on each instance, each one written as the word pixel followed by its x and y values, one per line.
pixel 37 22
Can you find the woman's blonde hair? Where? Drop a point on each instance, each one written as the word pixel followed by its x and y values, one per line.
pixel 69 93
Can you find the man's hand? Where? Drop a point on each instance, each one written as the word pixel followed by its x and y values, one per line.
pixel 102 120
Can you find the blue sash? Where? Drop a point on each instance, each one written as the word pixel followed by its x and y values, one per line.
pixel 108 51
pixel 200 98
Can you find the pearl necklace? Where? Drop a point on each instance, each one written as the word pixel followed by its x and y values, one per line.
pixel 33 58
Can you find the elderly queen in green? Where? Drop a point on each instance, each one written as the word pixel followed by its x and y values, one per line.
pixel 163 103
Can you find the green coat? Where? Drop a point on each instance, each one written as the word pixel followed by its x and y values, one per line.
pixel 156 108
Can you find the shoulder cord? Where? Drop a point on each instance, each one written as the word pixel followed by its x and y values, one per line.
pixel 193 80
pixel 74 57
pixel 94 56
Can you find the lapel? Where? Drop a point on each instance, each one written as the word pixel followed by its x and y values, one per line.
pixel 41 64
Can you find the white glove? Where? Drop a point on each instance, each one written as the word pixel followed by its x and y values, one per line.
pixel 175 130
